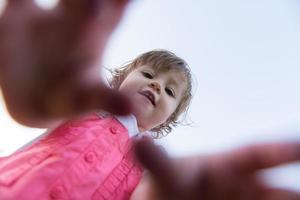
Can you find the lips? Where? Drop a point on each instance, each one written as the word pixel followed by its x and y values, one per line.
pixel 149 95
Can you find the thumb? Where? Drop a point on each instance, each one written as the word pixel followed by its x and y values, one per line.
pixel 78 99
pixel 157 162
pixel 104 98
pixel 100 97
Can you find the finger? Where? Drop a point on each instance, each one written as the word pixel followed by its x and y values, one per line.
pixel 279 194
pixel 90 7
pixel 80 99
pixel 80 6
pixel 20 2
pixel 25 7
pixel 261 156
pixel 156 161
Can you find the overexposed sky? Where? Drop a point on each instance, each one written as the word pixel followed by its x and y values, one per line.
pixel 245 59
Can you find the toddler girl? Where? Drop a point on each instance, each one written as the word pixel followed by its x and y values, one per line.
pixel 91 157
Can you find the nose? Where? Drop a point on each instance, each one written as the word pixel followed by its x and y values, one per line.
pixel 155 86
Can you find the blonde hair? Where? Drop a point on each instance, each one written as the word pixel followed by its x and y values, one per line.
pixel 159 60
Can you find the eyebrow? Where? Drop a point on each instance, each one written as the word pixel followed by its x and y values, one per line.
pixel 174 82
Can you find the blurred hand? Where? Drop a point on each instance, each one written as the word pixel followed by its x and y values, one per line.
pixel 48 58
pixel 226 176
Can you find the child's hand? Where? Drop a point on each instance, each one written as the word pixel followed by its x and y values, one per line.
pixel 227 176
pixel 48 58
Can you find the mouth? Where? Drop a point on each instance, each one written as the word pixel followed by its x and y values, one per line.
pixel 149 95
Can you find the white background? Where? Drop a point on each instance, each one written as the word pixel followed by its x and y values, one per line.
pixel 245 59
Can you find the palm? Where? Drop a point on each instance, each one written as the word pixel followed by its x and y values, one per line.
pixel 48 58
pixel 228 176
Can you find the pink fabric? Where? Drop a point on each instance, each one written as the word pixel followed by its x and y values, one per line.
pixel 90 158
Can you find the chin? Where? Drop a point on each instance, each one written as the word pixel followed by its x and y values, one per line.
pixel 141 109
pixel 139 113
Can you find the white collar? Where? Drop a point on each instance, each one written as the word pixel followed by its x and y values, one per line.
pixel 128 121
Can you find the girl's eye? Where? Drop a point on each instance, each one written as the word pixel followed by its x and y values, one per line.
pixel 170 92
pixel 147 75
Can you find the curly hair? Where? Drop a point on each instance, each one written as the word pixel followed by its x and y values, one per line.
pixel 159 60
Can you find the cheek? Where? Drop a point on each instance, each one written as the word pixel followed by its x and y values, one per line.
pixel 131 83
pixel 168 109
pixel 126 86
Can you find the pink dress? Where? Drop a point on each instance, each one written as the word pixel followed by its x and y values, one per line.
pixel 89 158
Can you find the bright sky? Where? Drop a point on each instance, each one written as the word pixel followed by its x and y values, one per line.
pixel 246 64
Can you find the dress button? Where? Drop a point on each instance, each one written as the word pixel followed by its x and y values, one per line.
pixel 56 193
pixel 90 157
pixel 113 130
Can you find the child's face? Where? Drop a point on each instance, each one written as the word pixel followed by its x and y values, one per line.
pixel 156 95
